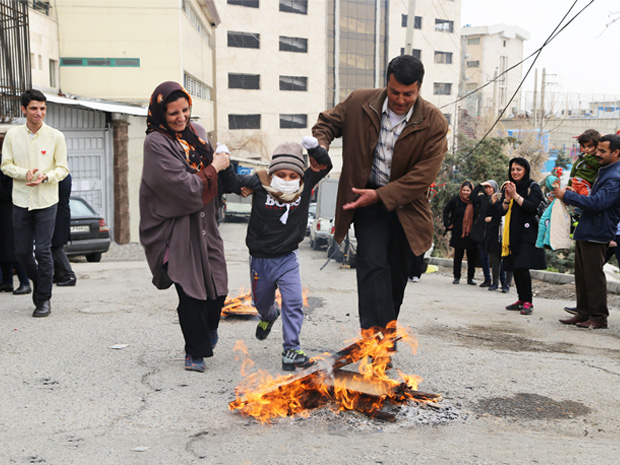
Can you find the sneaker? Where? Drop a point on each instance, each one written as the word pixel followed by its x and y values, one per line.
pixel 292 359
pixel 571 310
pixel 456 281
pixel 493 287
pixel 505 289
pixel 195 364
pixel 528 308
pixel 415 279
pixel 471 282
pixel 264 327
pixel 518 305
pixel 213 337
pixel 485 283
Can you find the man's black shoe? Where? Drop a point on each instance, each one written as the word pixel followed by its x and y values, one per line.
pixel 6 287
pixel 44 308
pixel 22 289
pixel 67 282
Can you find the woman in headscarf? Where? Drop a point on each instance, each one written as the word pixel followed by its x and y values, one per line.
pixel 520 255
pixel 178 218
pixel 458 217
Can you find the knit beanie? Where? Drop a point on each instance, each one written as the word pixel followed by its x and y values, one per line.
pixel 288 156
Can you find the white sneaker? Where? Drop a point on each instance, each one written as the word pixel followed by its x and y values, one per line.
pixel 415 279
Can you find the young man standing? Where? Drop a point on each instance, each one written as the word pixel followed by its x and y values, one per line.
pixel 596 228
pixel 393 145
pixel 35 156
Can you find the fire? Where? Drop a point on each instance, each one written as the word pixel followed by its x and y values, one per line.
pixel 241 305
pixel 366 390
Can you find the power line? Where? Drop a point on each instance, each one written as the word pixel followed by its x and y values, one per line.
pixel 538 52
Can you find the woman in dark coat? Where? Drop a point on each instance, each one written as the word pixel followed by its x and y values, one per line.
pixel 520 255
pixel 481 198
pixel 458 217
pixel 178 218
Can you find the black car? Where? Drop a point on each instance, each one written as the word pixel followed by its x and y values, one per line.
pixel 90 235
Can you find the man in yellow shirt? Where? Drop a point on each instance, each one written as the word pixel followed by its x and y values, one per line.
pixel 35 156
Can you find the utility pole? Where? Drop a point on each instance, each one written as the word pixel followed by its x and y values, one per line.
pixel 495 94
pixel 410 25
pixel 542 99
pixel 534 109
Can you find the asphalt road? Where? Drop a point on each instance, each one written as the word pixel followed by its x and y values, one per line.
pixel 517 389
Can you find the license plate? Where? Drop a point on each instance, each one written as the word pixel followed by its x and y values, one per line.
pixel 80 229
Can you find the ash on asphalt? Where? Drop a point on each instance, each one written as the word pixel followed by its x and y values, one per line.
pixel 529 406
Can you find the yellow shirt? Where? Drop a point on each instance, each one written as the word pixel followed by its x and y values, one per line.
pixel 46 150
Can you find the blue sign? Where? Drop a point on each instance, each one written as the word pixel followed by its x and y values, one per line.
pixel 245 171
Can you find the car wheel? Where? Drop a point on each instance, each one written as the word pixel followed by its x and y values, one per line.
pixel 93 257
pixel 315 245
pixel 334 252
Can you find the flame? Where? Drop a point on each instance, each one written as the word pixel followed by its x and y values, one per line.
pixel 242 304
pixel 367 390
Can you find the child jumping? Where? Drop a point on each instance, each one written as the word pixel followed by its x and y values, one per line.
pixel 277 225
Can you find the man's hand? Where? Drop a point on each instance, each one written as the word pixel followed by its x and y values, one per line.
pixel 30 174
pixel 246 191
pixel 559 193
pixel 36 181
pixel 366 197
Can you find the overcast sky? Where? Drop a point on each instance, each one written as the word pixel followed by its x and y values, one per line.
pixel 584 58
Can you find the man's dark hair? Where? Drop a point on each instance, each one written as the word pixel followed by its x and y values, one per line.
pixel 614 141
pixel 30 95
pixel 589 135
pixel 406 69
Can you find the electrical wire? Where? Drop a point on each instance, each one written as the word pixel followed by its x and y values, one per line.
pixel 552 36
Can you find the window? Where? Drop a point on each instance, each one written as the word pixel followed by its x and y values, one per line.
pixel 443 57
pixel 195 87
pixel 243 81
pixel 248 3
pixel 473 41
pixel 53 65
pixel 444 25
pixel 293 44
pixel 102 62
pixel 294 6
pixel 471 87
pixel 417 24
pixel 294 83
pixel 243 39
pixel 293 121
pixel 442 88
pixel 195 20
pixel 448 116
pixel 243 121
pixel 414 52
pixel 473 64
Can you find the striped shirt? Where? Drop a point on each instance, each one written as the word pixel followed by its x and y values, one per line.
pixel 382 158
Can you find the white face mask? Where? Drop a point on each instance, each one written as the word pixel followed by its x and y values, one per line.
pixel 286 187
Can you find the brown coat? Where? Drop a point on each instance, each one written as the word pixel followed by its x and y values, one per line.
pixel 178 209
pixel 418 154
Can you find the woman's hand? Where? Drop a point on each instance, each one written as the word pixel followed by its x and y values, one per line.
pixel 511 190
pixel 220 161
pixel 488 219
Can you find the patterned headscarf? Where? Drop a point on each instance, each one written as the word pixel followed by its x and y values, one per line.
pixel 198 152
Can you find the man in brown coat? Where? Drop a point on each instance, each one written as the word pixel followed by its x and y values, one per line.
pixel 393 145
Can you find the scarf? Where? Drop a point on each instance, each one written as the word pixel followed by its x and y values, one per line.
pixel 198 153
pixel 506 233
pixel 288 199
pixel 468 217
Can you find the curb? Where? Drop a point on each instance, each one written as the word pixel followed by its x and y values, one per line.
pixel 547 276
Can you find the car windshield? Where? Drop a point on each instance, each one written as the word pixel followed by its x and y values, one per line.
pixel 80 210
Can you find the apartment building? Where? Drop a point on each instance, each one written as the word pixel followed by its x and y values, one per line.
pixel 279 64
pixel 489 51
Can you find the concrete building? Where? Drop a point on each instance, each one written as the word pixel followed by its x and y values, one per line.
pixel 489 51
pixel 277 80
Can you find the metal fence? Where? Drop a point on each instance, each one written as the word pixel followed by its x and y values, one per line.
pixel 15 76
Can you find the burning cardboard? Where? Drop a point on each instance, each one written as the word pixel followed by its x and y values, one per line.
pixel 367 390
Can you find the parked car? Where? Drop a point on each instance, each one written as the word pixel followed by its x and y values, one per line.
pixel 235 207
pixel 89 233
pixel 325 213
pixel 319 233
pixel 311 216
